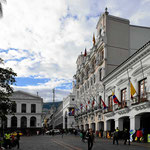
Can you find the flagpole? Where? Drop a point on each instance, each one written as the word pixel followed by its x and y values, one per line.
pixel 142 68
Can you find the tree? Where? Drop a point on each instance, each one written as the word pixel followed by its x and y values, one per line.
pixel 1 8
pixel 7 78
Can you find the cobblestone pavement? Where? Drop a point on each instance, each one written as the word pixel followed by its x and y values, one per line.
pixel 71 142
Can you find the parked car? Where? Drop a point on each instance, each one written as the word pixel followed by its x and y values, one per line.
pixel 56 131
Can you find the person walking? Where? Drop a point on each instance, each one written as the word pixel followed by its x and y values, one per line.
pixel 126 136
pixel 17 140
pixel 7 137
pixel 62 133
pixel 115 136
pixel 90 137
pixel 139 135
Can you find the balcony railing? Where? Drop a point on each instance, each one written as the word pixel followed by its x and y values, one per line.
pixel 137 99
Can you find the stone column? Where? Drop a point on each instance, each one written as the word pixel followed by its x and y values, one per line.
pixel 8 121
pixel 105 125
pixel 116 123
pixel 18 122
pixel 18 107
pixel 28 122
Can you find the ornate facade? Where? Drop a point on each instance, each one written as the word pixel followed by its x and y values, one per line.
pixel 116 43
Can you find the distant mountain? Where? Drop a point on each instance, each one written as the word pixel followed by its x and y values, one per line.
pixel 49 105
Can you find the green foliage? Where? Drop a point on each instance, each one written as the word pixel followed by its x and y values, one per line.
pixel 7 78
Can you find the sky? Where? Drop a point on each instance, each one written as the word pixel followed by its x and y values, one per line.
pixel 41 39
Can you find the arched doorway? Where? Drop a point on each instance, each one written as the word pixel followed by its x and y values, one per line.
pixel 124 123
pixel 93 127
pixel 142 122
pixel 33 122
pixel 14 122
pixel 101 125
pixel 23 122
pixel 111 125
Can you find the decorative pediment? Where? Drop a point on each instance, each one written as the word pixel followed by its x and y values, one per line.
pixel 23 95
pixel 122 81
pixel 109 88
pixel 140 70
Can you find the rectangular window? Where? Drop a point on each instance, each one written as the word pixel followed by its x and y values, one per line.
pixel 88 84
pixel 142 90
pixel 23 108
pixel 94 78
pixel 110 103
pixel 100 102
pixel 102 55
pixel 33 108
pixel 124 98
pixel 100 74
pixel 91 82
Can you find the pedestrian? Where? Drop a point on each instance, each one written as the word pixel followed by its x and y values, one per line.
pixel 62 133
pixel 139 135
pixel 115 136
pixel 90 137
pixel 17 140
pixel 7 137
pixel 126 136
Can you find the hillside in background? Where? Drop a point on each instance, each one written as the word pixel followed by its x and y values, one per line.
pixel 49 104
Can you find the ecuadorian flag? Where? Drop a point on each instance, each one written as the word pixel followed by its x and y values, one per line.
pixel 115 99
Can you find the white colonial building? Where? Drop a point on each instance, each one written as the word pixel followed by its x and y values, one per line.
pixel 114 59
pixel 28 111
pixel 69 105
pixel 133 113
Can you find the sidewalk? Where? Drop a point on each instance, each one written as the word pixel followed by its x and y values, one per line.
pixel 122 141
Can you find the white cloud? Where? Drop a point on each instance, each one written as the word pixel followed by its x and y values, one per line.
pixel 49 35
pixel 45 90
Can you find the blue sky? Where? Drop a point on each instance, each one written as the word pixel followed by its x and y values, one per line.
pixel 41 41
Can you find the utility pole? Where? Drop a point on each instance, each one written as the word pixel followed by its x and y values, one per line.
pixel 53 107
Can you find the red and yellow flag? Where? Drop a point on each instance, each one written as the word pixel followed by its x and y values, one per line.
pixel 132 90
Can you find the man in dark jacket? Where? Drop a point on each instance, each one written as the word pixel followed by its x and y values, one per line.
pixel 90 137
pixel 126 136
pixel 115 136
pixel 17 140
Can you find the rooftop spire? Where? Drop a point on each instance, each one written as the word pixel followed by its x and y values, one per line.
pixel 106 12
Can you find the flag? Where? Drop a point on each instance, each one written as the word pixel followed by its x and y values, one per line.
pixel 93 39
pixel 104 105
pixel 93 102
pixel 132 90
pixel 81 106
pixel 115 99
pixel 72 111
pixel 85 53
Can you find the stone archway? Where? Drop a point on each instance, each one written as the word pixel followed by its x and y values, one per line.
pixel 23 122
pixel 14 122
pixel 33 122
pixel 110 125
pixel 124 123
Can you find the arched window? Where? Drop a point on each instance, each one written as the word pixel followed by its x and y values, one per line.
pixel 23 122
pixel 14 122
pixel 32 122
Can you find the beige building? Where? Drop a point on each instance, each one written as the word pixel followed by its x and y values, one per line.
pixel 115 42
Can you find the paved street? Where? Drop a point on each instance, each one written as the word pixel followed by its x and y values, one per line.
pixel 70 142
